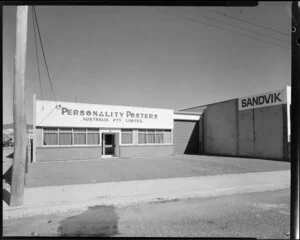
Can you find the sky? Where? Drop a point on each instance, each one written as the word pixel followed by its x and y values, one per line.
pixel 161 57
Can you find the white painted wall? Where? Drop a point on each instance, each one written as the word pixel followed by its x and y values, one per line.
pixel 68 114
pixel 186 117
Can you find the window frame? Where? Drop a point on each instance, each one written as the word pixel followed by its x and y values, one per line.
pixel 142 131
pixel 135 136
pixel 43 139
pixel 93 132
pixel 149 133
pixel 127 131
pixel 156 131
pixel 68 131
pixel 75 131
pixel 156 138
pixel 72 131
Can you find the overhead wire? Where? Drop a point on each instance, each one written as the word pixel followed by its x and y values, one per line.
pixel 55 107
pixel 248 22
pixel 258 8
pixel 243 28
pixel 222 28
pixel 44 55
pixel 37 57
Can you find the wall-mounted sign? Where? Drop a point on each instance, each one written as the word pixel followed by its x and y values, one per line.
pixel 67 114
pixel 263 100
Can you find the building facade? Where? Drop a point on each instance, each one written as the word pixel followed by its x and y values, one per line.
pixel 254 126
pixel 70 131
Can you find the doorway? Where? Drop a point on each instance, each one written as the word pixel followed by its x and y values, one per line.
pixel 108 145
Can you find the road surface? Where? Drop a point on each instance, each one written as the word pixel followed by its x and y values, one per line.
pixel 259 215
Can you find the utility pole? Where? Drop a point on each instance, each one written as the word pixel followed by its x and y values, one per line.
pixel 295 123
pixel 18 168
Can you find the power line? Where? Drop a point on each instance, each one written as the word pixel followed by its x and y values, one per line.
pixel 224 29
pixel 37 24
pixel 270 14
pixel 245 29
pixel 37 55
pixel 248 22
pixel 260 8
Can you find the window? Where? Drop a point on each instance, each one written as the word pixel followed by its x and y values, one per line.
pixel 79 138
pixel 159 136
pixel 93 136
pixel 50 136
pixel 71 136
pixel 142 136
pixel 127 136
pixel 65 136
pixel 152 136
pixel 167 136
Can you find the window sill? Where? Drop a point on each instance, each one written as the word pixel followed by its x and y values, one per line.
pixel 145 145
pixel 68 146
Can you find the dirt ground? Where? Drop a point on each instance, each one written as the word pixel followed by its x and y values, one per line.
pixel 126 169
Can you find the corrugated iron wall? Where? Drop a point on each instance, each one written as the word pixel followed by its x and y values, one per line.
pixel 186 137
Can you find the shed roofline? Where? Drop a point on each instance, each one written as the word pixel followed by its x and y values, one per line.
pixel 187 113
pixel 285 87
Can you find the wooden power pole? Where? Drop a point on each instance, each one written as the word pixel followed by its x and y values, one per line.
pixel 295 124
pixel 18 169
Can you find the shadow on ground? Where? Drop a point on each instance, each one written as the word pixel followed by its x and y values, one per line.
pixel 97 221
pixel 6 178
pixel 6 196
pixel 10 156
pixel 264 159
pixel 8 175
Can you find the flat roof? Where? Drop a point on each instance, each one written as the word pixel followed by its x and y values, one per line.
pixel 205 105
pixel 188 113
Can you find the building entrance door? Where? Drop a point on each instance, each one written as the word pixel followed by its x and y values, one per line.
pixel 108 145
